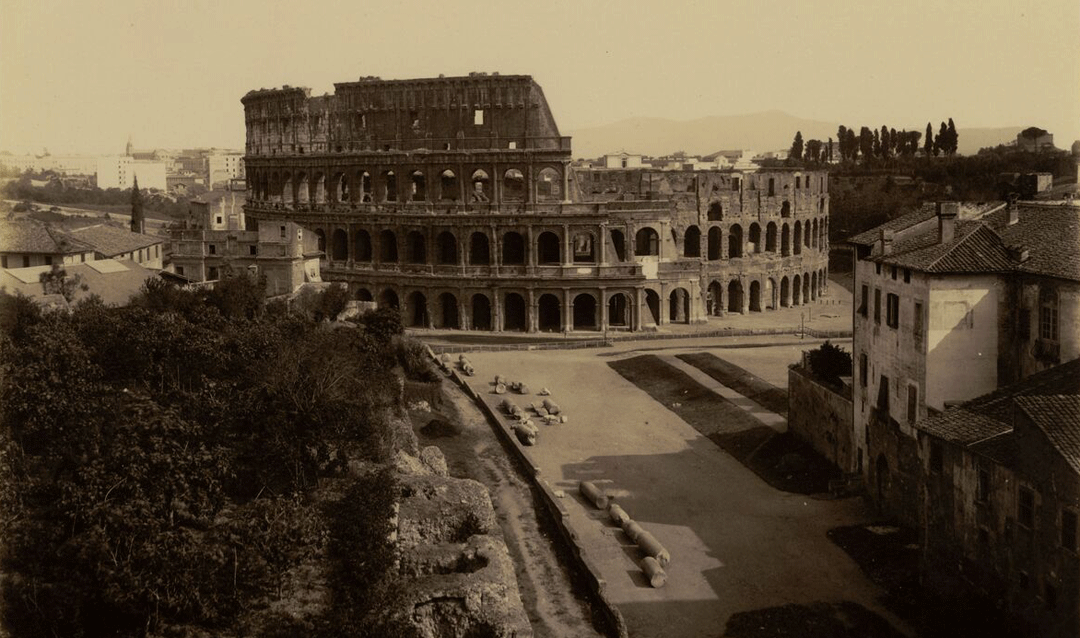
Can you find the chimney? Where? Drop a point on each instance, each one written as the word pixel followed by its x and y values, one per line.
pixel 886 241
pixel 1013 209
pixel 947 213
pixel 1019 253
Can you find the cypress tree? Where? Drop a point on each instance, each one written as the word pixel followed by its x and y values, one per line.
pixel 797 146
pixel 954 138
pixel 138 222
pixel 928 143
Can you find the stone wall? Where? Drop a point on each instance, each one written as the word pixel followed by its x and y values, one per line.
pixel 821 416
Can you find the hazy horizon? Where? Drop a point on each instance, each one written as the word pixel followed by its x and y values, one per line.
pixel 82 79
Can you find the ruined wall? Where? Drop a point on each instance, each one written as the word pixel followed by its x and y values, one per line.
pixel 821 416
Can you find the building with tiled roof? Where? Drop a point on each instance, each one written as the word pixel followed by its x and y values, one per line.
pixel 953 301
pixel 120 243
pixel 114 281
pixel 999 499
pixel 26 243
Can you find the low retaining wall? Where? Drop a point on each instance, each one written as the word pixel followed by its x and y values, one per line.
pixel 597 585
pixel 822 417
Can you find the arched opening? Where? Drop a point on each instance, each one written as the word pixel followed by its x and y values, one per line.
pixel 363 179
pixel 679 306
pixel 481 187
pixel 339 244
pixel 320 236
pixel 585 312
pixel 302 196
pixel 448 311
pixel 514 311
pixel 549 319
pixel 339 188
pixel 513 249
pixel 785 241
pixel 770 238
pixel 446 245
pixel 785 209
pixel 448 186
pixel 389 299
pixel 785 292
pixel 652 301
pixel 618 241
pixel 287 188
pixel 715 243
pixel 418 315
pixel 714 299
pixel 735 241
pixel 363 294
pixel 755 238
pixel 814 235
pixel 362 246
pixel 417 187
pixel 389 186
pixel 716 212
pixel 479 250
pixel 584 251
pixel 734 296
pixel 513 186
pixel 796 290
pixel 755 296
pixel 547 248
pixel 770 294
pixel 806 234
pixel 647 242
pixel 618 310
pixel 692 242
pixel 806 288
pixel 415 248
pixel 548 185
pixel 813 285
pixel 481 312
pixel 388 247
pixel 772 186
pixel 318 196
pixel 798 238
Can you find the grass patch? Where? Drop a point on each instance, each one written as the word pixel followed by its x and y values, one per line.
pixel 740 380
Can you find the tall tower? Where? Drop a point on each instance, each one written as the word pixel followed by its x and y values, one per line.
pixel 129 150
pixel 138 221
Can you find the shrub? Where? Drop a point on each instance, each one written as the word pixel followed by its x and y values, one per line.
pixel 412 355
pixel 829 363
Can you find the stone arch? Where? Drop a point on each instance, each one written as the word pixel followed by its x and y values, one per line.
pixel 549 185
pixel 785 209
pixel 481 187
pixel 715 244
pixel 735 296
pixel 361 245
pixel 692 242
pixel 275 186
pixel 339 187
pixel 755 238
pixel 318 188
pixel 446 248
pixel 320 237
pixel 448 311
pixel 585 308
pixel 479 249
pixel 714 299
pixel 415 247
pixel 417 309
pixel 388 298
pixel 806 233
pixel 618 310
pixel 715 212
pixel 389 186
pixel 287 188
pixel 363 181
pixel 303 191
pixel 549 313
pixel 481 312
pixel 618 241
pixel 797 245
pixel 755 296
pixel 652 302
pixel 814 234
pixel 417 186
pixel 514 315
pixel 547 249
pixel 796 290
pixel 770 294
pixel 785 292
pixel 339 245
pixel 735 241
pixel 647 242
pixel 513 249
pixel 806 287
pixel 813 285
pixel 679 306
pixel 583 247
pixel 449 190
pixel 770 238
pixel 513 186
pixel 388 252
pixel 785 240
pixel 363 294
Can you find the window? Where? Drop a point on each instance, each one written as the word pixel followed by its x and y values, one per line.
pixel 1048 314
pixel 735 184
pixel 254 249
pixel 937 457
pixel 48 260
pixel 1025 508
pixel 864 303
pixel 82 258
pixel 772 186
pixel 883 395
pixel 907 275
pixel 982 491
pixel 877 269
pixel 26 261
pixel 180 270
pixel 892 311
pixel 917 322
pixel 213 274
pixel 912 404
pixel 512 145
pixel 213 249
pixel 478 117
pixel 282 231
pixel 3 261
pixel 219 219
pixel 1068 530
pixel 798 182
pixel 862 369
pixel 894 273
pixel 877 304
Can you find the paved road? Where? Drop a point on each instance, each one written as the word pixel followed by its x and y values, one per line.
pixel 737 544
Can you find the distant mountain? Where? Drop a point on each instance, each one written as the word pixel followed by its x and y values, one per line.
pixel 766 131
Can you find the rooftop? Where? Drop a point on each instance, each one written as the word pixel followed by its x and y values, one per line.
pixel 114 280
pixel 111 241
pixel 33 237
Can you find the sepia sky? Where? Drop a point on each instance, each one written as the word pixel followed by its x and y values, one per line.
pixel 79 77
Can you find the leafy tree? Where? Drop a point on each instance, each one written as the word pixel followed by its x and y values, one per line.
pixel 866 143
pixel 829 362
pixel 886 142
pixel 853 146
pixel 942 144
pixel 797 147
pixel 954 138
pixel 877 143
pixel 841 138
pixel 57 282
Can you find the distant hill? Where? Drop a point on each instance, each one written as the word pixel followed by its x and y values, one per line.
pixel 765 131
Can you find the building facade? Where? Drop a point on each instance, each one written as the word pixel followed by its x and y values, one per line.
pixel 454 200
pixel 120 171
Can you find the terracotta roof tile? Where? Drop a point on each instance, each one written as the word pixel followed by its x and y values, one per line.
pixel 111 241
pixel 1058 416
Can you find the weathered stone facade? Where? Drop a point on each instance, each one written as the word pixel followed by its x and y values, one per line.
pixel 454 199
pixel 821 416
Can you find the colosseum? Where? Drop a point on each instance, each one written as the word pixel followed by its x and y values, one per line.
pixel 456 200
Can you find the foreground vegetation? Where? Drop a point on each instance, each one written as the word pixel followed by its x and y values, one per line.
pixel 162 465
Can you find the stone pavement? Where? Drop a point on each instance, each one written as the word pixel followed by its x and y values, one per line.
pixel 737 544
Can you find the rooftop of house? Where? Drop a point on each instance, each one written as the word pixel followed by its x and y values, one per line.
pixel 1051 399
pixel 28 236
pixel 114 280
pixel 111 241
pixel 983 241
